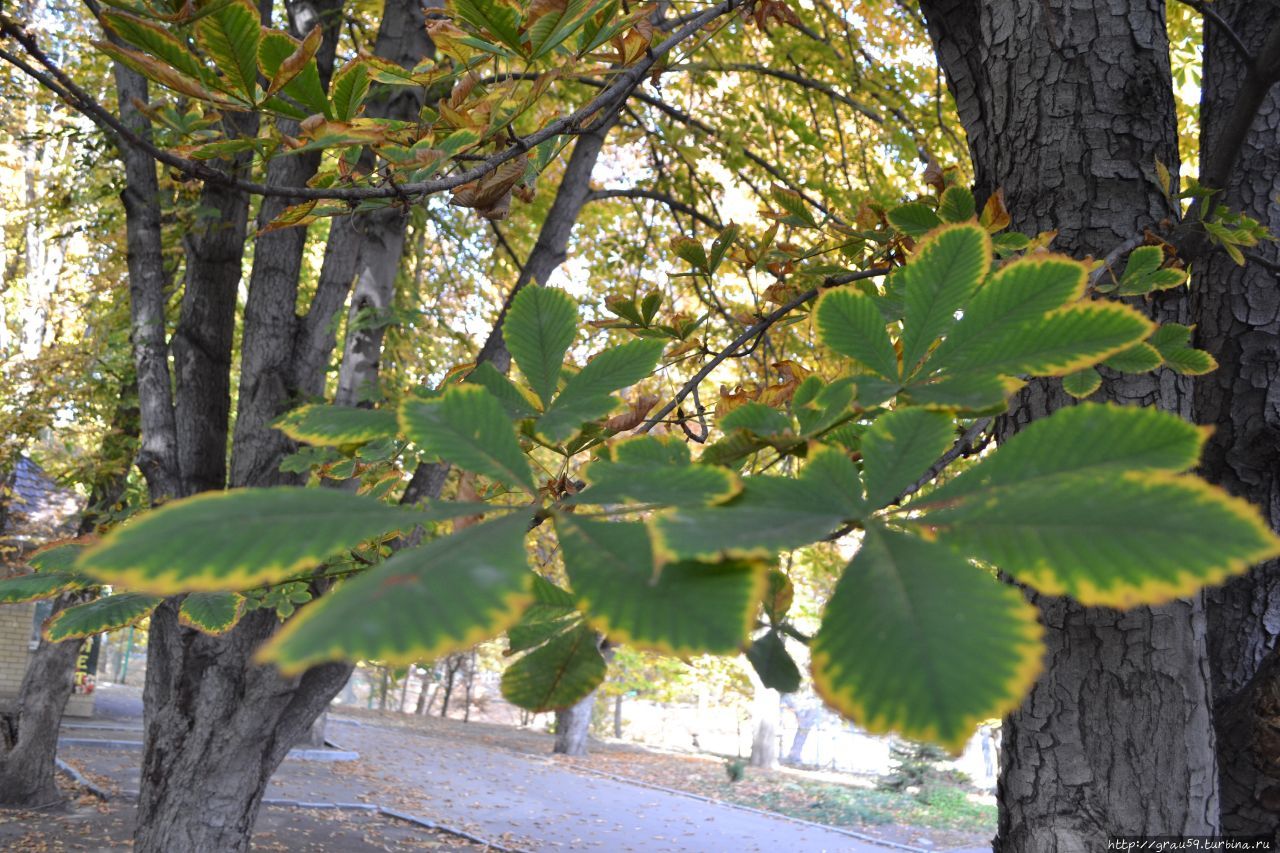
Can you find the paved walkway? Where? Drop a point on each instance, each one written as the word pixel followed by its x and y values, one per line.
pixel 520 801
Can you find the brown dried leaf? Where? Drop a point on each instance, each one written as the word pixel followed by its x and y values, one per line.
pixel 634 415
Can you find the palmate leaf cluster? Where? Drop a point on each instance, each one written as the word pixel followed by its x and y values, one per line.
pixel 665 551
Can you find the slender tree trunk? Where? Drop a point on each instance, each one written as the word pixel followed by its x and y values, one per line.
pixel 268 386
pixel 471 682
pixel 158 455
pixel 617 716
pixel 1067 106
pixel 766 710
pixel 30 745
pixel 31 733
pixel 1237 316
pixel 806 719
pixel 573 726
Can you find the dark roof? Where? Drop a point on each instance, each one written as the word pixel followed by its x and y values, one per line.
pixel 38 508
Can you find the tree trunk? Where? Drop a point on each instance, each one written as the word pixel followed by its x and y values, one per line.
pixel 30 745
pixel 30 740
pixel 216 729
pixel 217 725
pixel 573 726
pixel 1067 106
pixel 766 710
pixel 158 454
pixel 617 716
pixel 806 719
pixel 268 380
pixel 1237 318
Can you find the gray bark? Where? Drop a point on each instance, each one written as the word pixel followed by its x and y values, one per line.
pixel 1237 312
pixel 158 454
pixel 30 732
pixel 377 238
pixel 216 728
pixel 217 725
pixel 268 380
pixel 573 726
pixel 202 341
pixel 1067 105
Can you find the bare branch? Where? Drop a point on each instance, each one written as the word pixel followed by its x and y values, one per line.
pixel 745 339
pixel 653 195
pixel 1221 22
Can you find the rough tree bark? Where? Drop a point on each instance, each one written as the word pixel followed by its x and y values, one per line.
pixel 158 453
pixel 1237 312
pixel 29 734
pixel 268 378
pixel 217 726
pixel 1067 105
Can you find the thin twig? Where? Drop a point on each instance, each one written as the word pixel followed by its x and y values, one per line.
pixel 575 123
pixel 755 330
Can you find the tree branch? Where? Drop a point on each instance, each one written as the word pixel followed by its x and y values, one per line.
pixel 576 123
pixel 744 339
pixel 1221 22
pixel 654 195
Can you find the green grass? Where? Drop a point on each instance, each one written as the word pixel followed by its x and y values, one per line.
pixel 935 807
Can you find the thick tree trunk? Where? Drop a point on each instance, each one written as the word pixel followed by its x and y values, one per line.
pixel 573 726
pixel 1067 105
pixel 217 725
pixel 1237 313
pixel 216 729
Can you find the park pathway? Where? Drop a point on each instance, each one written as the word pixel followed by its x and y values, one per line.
pixel 523 802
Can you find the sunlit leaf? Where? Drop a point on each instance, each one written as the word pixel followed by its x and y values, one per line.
pixel 96 617
pixel 238 539
pixel 685 608
pixel 917 641
pixel 467 427
pixel 423 603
